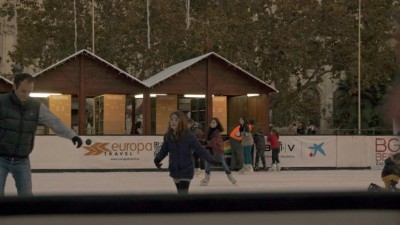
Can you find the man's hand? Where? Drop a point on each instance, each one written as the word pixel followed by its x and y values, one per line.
pixel 157 163
pixel 77 141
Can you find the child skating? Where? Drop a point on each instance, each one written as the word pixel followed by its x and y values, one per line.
pixel 214 144
pixel 273 139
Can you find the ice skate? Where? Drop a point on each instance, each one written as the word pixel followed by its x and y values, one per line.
pixel 273 167
pixel 243 170
pixel 278 167
pixel 393 187
pixel 198 172
pixel 231 179
pixel 264 166
pixel 249 168
pixel 374 187
pixel 205 180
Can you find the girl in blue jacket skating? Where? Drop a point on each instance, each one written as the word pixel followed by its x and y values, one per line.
pixel 179 144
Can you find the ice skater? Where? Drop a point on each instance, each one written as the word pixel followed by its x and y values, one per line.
pixel 260 149
pixel 214 144
pixel 19 118
pixel 390 175
pixel 195 128
pixel 247 144
pixel 273 139
pixel 179 143
pixel 391 171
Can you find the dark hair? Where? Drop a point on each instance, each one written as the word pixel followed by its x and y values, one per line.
pixel 396 156
pixel 19 77
pixel 252 121
pixel 219 125
pixel 190 120
pixel 182 129
pixel 246 121
pixel 138 124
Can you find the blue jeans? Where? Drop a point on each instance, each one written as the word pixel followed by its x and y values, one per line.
pixel 21 172
pixel 247 154
pixel 219 158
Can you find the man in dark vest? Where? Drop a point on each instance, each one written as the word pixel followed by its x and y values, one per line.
pixel 19 118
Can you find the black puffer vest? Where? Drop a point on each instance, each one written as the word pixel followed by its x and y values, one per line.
pixel 18 124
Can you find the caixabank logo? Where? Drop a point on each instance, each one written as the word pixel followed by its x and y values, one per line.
pixel 119 148
pixel 316 149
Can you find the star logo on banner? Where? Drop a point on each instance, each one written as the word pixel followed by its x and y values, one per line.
pixel 316 148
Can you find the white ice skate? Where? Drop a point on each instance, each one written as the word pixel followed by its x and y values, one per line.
pixel 205 180
pixel 243 170
pixel 231 179
pixel 278 167
pixel 273 167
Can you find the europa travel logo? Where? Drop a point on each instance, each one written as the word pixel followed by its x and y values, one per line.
pixel 117 148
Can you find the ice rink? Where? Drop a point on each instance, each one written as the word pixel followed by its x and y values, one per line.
pixel 159 182
pixel 58 203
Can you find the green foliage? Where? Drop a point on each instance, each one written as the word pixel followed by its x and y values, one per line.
pixel 281 42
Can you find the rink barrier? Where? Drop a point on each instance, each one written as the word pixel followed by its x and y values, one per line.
pixel 198 203
pixel 356 208
pixel 136 153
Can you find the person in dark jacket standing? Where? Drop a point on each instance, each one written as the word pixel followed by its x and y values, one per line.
pixel 260 146
pixel 179 144
pixel 19 118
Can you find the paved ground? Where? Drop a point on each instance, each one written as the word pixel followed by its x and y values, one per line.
pixel 159 182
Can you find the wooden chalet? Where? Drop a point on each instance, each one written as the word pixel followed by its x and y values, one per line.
pixel 214 77
pixel 5 85
pixel 85 75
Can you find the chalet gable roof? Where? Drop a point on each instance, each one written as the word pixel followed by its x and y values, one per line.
pixel 175 69
pixel 88 53
pixel 6 80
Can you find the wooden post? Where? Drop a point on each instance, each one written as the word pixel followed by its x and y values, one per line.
pixel 209 100
pixel 82 98
pixel 133 115
pixel 146 113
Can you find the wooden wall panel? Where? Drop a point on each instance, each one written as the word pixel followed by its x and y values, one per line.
pixel 251 107
pixel 165 105
pixel 220 111
pixel 60 105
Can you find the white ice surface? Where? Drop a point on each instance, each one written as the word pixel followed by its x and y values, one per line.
pixel 97 183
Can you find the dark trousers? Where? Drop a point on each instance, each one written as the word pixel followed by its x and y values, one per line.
pixel 237 154
pixel 275 155
pixel 260 154
pixel 198 161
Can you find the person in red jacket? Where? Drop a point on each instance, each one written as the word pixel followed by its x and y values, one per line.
pixel 214 144
pixel 273 139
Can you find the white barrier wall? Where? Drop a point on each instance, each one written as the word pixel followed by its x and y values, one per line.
pixel 382 147
pixel 105 152
pixel 354 151
pixel 306 151
pixel 137 152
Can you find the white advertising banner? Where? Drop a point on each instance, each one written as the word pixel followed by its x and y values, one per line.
pixel 104 152
pixel 382 147
pixel 306 151
pixel 137 152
